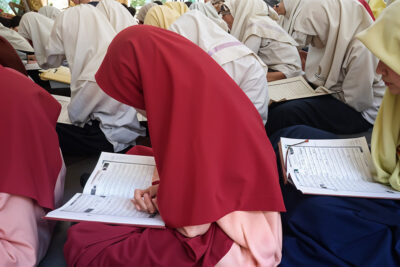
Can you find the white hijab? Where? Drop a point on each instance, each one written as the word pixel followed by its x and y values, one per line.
pixel 251 18
pixel 117 15
pixel 49 11
pixel 209 11
pixel 220 45
pixel 37 28
pixel 82 34
pixel 292 8
pixel 15 39
pixel 335 24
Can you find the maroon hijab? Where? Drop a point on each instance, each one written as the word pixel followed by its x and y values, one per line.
pixel 9 57
pixel 30 161
pixel 210 146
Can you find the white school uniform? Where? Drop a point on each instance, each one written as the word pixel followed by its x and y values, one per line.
pixel 244 67
pixel 82 34
pixel 253 27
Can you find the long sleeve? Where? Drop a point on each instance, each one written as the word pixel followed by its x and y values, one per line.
pixel 277 56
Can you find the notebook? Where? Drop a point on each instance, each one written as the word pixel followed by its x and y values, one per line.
pixel 61 74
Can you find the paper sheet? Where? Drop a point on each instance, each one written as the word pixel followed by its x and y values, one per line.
pixel 119 175
pixel 61 74
pixel 64 101
pixel 340 167
pixel 106 209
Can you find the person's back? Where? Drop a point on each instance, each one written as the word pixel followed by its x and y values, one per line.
pixel 245 68
pixel 252 26
pixel 84 45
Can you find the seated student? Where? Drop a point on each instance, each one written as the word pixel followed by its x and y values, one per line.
pixel 82 34
pixel 16 40
pixel 33 171
pixel 179 7
pixel 49 11
pixel 143 12
pixel 337 61
pixel 208 10
pixel 245 68
pixel 345 231
pixel 118 16
pixel 9 57
pixel 218 191
pixel 161 16
pixel 36 28
pixel 250 24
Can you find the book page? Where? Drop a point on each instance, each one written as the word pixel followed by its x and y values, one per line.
pixel 141 117
pixel 104 209
pixel 61 74
pixel 340 167
pixel 31 66
pixel 292 88
pixel 119 175
pixel 64 101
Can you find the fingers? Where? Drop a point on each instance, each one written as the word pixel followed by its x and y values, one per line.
pixel 143 200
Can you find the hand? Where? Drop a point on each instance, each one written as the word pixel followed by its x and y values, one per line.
pixel 146 200
pixel 31 59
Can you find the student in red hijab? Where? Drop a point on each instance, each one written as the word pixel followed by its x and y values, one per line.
pixel 219 192
pixel 32 169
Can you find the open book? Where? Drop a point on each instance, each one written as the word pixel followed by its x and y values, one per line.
pixel 338 167
pixel 108 192
pixel 64 101
pixel 61 74
pixel 293 88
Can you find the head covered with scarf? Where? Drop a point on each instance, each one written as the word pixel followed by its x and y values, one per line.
pixel 207 167
pixel 384 43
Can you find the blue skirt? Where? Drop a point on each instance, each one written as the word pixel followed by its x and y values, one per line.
pixel 337 231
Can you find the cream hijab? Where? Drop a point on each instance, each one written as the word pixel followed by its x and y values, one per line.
pixel 37 28
pixel 209 11
pixel 384 42
pixel 143 11
pixel 117 15
pixel 292 8
pixel 220 45
pixel 179 7
pixel 83 45
pixel 251 18
pixel 49 11
pixel 161 16
pixel 334 23
pixel 15 39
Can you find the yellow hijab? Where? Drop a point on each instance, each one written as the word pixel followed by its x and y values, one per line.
pixel 179 7
pixel 383 39
pixel 377 6
pixel 161 16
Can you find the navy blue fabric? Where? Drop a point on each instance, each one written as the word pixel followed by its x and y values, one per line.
pixel 337 231
pixel 322 112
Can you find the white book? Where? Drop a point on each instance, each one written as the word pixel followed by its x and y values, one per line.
pixel 337 167
pixel 108 192
pixel 293 88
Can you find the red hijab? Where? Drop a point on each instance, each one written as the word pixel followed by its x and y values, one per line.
pixel 210 146
pixel 30 162
pixel 9 57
